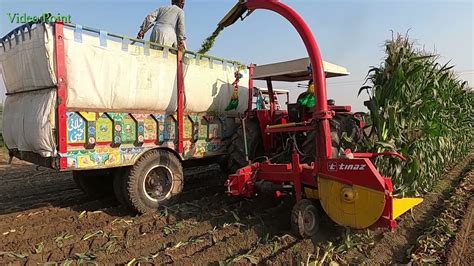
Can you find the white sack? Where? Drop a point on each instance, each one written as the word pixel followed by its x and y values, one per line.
pixel 29 64
pixel 28 120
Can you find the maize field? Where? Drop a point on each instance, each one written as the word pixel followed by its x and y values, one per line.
pixel 418 108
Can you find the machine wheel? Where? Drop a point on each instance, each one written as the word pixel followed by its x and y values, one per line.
pixel 236 147
pixel 155 180
pixel 339 124
pixel 305 219
pixel 95 183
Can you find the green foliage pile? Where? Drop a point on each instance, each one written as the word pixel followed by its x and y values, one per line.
pixel 421 109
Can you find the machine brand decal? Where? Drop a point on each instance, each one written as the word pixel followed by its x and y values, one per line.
pixel 334 166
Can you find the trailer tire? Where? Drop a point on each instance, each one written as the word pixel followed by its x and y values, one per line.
pixel 305 219
pixel 95 183
pixel 155 180
pixel 236 146
pixel 119 187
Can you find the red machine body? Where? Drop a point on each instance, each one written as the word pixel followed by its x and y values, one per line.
pixel 351 170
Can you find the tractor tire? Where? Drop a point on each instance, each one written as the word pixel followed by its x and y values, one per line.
pixel 338 125
pixel 305 219
pixel 155 180
pixel 236 146
pixel 96 184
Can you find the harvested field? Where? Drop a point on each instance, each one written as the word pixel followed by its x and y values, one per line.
pixel 45 218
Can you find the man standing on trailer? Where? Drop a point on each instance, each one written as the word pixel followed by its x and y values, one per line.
pixel 169 26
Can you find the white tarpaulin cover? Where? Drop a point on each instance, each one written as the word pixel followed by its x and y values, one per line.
pixel 107 77
pixel 102 75
pixel 28 120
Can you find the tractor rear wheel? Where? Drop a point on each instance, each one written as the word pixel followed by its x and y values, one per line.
pixel 305 219
pixel 339 124
pixel 236 146
pixel 155 180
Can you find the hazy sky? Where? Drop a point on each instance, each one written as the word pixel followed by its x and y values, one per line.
pixel 350 33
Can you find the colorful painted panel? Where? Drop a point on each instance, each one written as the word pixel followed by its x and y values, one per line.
pixel 129 130
pixel 140 132
pixel 169 130
pixel 151 129
pixel 161 127
pixel 76 129
pixel 188 128
pixel 203 129
pixel 214 131
pixel 104 130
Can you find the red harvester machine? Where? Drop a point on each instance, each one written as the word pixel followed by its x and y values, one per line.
pixel 347 185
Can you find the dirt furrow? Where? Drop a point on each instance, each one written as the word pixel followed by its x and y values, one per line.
pixel 100 221
pixel 197 233
pixel 463 250
pixel 392 246
pixel 441 230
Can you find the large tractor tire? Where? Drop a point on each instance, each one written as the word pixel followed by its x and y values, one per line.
pixel 95 183
pixel 236 146
pixel 339 124
pixel 155 180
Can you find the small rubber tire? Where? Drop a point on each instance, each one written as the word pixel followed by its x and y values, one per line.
pixel 96 184
pixel 135 181
pixel 305 219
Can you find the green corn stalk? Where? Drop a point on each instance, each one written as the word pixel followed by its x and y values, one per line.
pixel 421 109
pixel 209 42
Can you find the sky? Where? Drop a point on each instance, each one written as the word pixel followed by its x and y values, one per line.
pixel 350 33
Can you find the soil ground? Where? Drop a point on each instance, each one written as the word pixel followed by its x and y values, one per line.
pixel 45 218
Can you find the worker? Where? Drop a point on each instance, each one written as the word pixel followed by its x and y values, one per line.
pixel 169 29
pixel 307 98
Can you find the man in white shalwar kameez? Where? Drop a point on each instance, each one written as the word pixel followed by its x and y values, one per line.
pixel 169 26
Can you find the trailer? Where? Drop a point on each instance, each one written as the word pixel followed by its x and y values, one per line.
pixel 122 114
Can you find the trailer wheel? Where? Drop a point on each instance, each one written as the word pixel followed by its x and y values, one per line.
pixel 305 219
pixel 236 146
pixel 155 180
pixel 119 187
pixel 95 183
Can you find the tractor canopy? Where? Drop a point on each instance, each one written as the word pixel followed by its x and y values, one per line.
pixel 295 70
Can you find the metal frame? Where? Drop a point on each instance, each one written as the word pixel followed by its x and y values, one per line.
pixel 180 111
pixel 322 112
pixel 61 76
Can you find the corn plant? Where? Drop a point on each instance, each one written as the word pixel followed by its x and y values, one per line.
pixel 421 109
